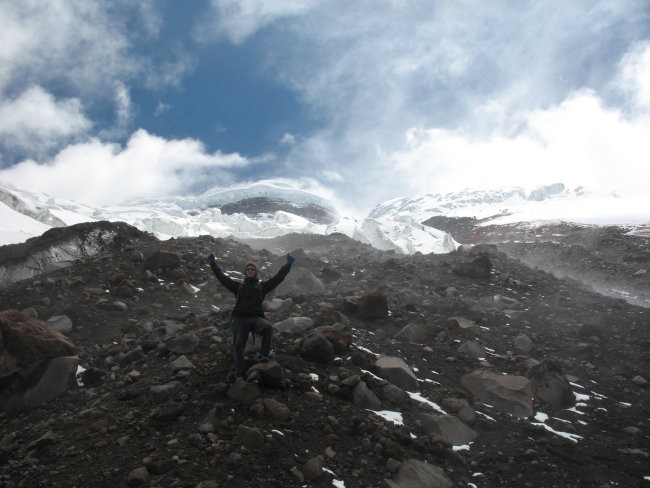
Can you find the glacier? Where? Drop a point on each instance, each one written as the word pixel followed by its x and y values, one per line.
pixel 396 224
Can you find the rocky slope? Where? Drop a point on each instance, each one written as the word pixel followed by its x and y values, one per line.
pixel 157 407
pixel 611 260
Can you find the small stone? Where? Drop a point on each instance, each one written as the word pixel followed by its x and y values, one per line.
pixel 639 380
pixel 297 474
pixel 631 430
pixel 138 477
pixel 181 363
pixel 62 323
pixel 313 468
pixel 312 395
pixel 249 437
pixel 393 465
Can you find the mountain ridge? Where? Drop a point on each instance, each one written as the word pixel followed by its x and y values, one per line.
pixel 267 209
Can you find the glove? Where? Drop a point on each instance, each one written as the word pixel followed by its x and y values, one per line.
pixel 211 258
pixel 290 259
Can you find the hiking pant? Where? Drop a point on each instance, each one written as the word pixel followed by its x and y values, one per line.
pixel 241 326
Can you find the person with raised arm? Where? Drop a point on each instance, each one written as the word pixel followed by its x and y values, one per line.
pixel 248 315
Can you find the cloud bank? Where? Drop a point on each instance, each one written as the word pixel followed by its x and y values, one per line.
pixel 410 96
pixel 108 174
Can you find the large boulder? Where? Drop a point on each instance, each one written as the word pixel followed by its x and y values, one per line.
pixel 372 305
pixel 508 393
pixel 317 348
pixel 300 281
pixel 413 333
pixel 396 371
pixel 337 335
pixel 37 363
pixel 162 260
pixel 479 268
pixel 294 325
pixel 550 385
pixel 418 474
pixel 449 427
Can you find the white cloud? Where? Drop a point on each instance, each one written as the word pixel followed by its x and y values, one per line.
pixel 122 103
pixel 239 19
pixel 38 121
pixel 578 142
pixel 161 108
pixel 331 176
pixel 482 90
pixel 288 139
pixel 74 40
pixel 85 46
pixel 635 74
pixel 102 174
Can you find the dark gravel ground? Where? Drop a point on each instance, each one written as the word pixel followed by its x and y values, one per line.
pixel 98 434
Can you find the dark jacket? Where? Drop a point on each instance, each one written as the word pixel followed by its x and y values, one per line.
pixel 251 292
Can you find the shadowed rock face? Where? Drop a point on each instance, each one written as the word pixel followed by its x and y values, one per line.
pixel 37 362
pixel 376 402
pixel 612 260
pixel 57 247
pixel 258 205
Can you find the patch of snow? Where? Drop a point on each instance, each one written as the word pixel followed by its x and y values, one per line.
pixel 394 417
pixel 492 419
pixel 371 374
pixel 461 447
pixel 361 348
pixel 566 435
pixel 419 398
pixel 580 397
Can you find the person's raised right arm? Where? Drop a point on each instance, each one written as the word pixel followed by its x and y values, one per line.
pixel 226 281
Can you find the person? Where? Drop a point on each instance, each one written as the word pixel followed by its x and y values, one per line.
pixel 248 315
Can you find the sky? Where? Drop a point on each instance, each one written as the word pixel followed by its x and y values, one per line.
pixel 359 102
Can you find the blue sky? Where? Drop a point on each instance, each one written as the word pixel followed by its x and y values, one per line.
pixel 106 102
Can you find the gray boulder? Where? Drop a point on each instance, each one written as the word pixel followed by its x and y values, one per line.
pixel 396 371
pixel 162 260
pixel 271 374
pixel 479 268
pixel 315 347
pixel 300 281
pixel 508 393
pixel 412 333
pixel 294 325
pixel 451 428
pixel 550 385
pixel 473 349
pixel 183 344
pixel 363 397
pixel 418 474
pixel 62 323
pixel 37 362
pixel 523 343
pixel 372 306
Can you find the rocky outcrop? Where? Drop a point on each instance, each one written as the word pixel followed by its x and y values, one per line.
pixel 508 393
pixel 37 362
pixel 61 246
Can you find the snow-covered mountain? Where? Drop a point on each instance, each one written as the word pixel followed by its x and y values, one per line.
pixel 270 209
pixel 552 203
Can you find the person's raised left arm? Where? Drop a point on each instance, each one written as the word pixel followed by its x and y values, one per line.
pixel 268 285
